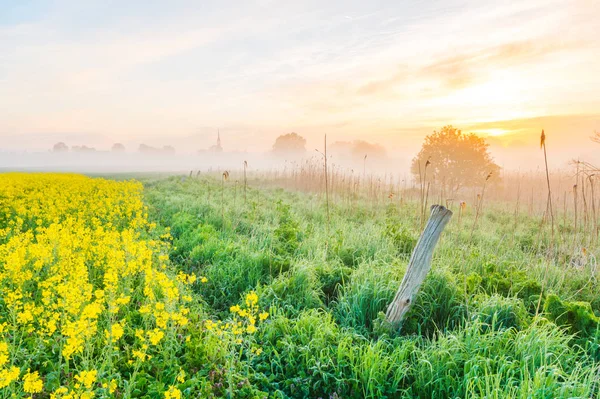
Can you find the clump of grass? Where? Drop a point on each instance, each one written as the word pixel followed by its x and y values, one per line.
pixel 292 292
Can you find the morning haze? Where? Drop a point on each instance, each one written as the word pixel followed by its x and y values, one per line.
pixel 388 73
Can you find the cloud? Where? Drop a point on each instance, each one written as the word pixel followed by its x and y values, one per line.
pixel 471 66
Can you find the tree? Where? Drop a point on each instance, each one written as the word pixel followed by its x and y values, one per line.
pixel 118 147
pixel 362 148
pixel 357 150
pixel 144 148
pixel 60 147
pixel 290 144
pixel 82 148
pixel 455 158
pixel 596 137
pixel 168 149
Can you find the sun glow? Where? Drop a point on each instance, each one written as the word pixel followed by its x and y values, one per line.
pixel 494 132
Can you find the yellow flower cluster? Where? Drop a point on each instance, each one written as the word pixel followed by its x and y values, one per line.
pixel 173 393
pixel 32 382
pixel 86 378
pixel 77 257
pixel 244 318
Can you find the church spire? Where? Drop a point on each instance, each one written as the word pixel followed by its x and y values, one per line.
pixel 217 147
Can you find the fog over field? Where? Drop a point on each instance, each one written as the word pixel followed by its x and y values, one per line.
pixel 35 153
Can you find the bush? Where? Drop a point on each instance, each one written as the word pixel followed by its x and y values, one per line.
pixel 578 317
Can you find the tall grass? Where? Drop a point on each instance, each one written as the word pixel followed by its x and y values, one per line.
pixel 326 336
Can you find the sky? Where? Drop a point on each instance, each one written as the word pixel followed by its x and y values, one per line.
pixel 98 72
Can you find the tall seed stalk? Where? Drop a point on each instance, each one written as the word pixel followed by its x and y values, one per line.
pixel 576 199
pixel 245 181
pixel 595 221
pixel 225 177
pixel 324 154
pixel 479 205
pixel 235 194
pixel 549 201
pixel 422 180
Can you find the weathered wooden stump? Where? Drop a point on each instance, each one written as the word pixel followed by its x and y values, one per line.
pixel 419 265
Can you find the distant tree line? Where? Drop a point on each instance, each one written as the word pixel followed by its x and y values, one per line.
pixel 116 147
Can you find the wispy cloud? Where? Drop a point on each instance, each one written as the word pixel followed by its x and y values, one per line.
pixel 351 68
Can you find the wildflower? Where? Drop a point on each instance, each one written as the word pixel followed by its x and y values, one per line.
pixel 251 299
pixel 7 376
pixel 173 393
pixel 139 354
pixel 60 392
pixel 263 316
pixel 3 353
pixel 181 376
pixel 116 332
pixel 256 351
pixel 32 382
pixel 124 300
pixel 155 336
pixel 86 378
pixel 110 386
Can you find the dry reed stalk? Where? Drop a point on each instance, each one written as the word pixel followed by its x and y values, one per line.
pixel 426 197
pixel 364 167
pixel 235 194
pixel 422 181
pixel 518 202
pixel 479 205
pixel 224 178
pixel 575 201
pixel 564 208
pixel 245 181
pixel 595 220
pixel 324 154
pixel 584 199
pixel 461 210
pixel 549 201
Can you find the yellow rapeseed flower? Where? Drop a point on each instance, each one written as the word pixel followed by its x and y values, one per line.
pixel 7 376
pixel 173 393
pixel 87 378
pixel 155 336
pixel 32 382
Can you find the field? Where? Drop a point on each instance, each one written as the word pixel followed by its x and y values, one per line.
pixel 200 286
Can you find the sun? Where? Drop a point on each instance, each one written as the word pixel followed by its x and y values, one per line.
pixel 496 132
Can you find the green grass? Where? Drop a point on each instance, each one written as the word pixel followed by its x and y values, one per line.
pixel 475 331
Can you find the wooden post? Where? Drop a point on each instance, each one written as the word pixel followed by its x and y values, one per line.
pixel 419 265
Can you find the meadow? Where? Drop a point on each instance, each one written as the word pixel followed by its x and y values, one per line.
pixel 205 285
